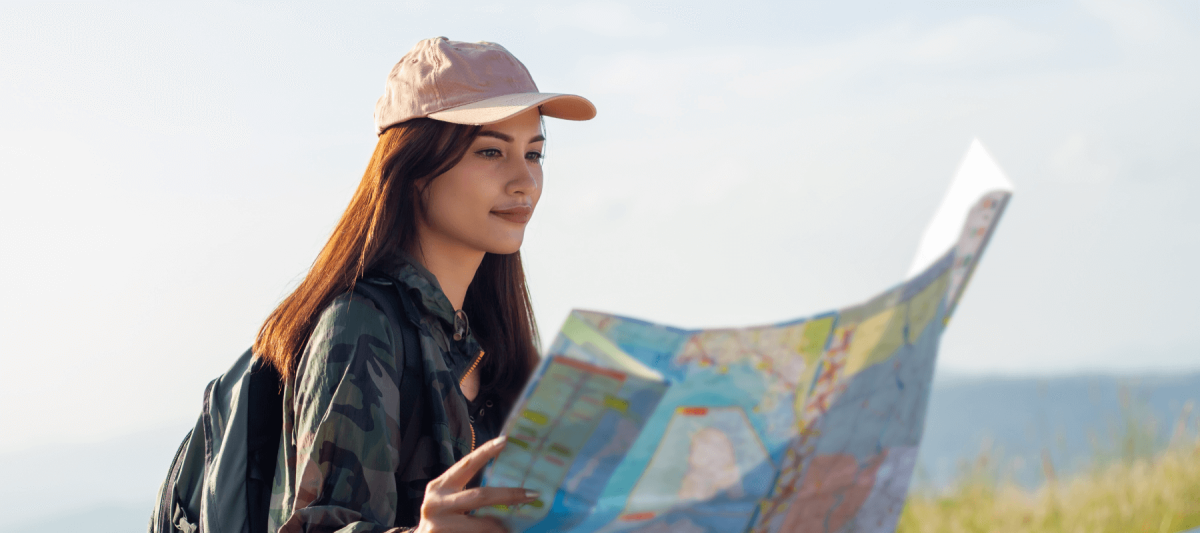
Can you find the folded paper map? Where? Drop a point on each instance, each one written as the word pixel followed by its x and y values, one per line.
pixel 806 425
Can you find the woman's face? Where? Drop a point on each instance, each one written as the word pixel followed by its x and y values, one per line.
pixel 484 202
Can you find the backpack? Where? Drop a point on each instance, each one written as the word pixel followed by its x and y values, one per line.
pixel 220 479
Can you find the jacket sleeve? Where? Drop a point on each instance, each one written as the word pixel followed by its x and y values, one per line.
pixel 346 405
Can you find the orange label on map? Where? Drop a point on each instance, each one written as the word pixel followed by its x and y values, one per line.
pixel 637 516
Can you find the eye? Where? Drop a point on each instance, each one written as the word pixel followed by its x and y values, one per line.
pixel 534 156
pixel 489 153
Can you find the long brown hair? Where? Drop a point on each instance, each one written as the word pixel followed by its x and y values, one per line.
pixel 382 220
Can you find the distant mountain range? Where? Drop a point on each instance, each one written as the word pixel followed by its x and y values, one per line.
pixel 1070 421
pixel 109 486
pixel 99 487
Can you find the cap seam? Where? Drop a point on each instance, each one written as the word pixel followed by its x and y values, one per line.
pixel 435 78
pixel 527 73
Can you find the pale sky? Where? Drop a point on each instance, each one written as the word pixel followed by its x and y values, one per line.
pixel 168 171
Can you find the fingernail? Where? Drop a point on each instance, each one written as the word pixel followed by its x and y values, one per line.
pixel 531 494
pixel 499 441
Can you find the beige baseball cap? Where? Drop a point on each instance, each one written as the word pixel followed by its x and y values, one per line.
pixel 467 83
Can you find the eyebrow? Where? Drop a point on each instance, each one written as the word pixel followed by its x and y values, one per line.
pixel 508 138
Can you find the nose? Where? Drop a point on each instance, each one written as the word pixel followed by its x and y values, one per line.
pixel 524 177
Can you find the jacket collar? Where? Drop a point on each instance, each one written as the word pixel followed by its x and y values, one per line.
pixel 432 301
pixel 416 277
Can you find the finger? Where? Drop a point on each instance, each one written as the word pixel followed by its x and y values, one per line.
pixel 459 474
pixel 471 499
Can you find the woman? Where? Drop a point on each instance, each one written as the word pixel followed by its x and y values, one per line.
pixel 442 210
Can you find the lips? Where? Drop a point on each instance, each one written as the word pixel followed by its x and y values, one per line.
pixel 517 214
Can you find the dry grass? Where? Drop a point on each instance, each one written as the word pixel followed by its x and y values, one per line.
pixel 1156 494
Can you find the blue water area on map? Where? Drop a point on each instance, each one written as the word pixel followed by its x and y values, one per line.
pixel 721 514
pixel 654 345
pixel 730 446
pixel 566 511
pixel 600 456
pixel 740 386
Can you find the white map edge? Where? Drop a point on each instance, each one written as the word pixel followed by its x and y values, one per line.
pixel 977 175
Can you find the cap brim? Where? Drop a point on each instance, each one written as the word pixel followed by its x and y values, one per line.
pixel 495 109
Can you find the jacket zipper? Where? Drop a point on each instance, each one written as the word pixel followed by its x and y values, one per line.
pixel 470 424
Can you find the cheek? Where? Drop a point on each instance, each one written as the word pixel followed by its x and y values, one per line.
pixel 459 203
pixel 454 202
pixel 458 206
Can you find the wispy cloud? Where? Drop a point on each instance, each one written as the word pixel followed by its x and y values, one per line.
pixel 671 82
pixel 598 17
pixel 1078 159
pixel 972 41
pixel 1144 25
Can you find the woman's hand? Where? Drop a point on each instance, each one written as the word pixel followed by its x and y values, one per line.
pixel 446 503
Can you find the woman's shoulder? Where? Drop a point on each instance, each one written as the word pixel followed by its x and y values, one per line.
pixel 349 323
pixel 351 306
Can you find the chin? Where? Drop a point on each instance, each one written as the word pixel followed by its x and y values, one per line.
pixel 504 250
pixel 504 246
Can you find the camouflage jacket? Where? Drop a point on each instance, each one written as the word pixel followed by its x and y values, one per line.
pixel 337 469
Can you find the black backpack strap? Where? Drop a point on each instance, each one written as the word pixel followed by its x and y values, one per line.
pixel 386 292
pixel 264 425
